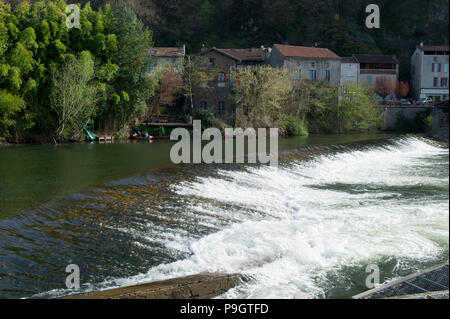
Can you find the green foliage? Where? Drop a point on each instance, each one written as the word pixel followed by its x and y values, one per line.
pixel 261 93
pixel 291 125
pixel 206 116
pixel 10 106
pixel 35 42
pixel 269 97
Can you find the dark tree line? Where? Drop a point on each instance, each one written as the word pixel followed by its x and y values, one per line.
pixel 336 24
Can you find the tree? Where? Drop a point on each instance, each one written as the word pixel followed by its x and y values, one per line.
pixel 74 95
pixel 260 94
pixel 384 86
pixel 358 111
pixel 10 106
pixel 402 89
pixel 195 73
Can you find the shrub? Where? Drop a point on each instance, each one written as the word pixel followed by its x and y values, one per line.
pixel 206 116
pixel 290 125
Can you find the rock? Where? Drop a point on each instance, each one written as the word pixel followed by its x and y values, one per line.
pixel 199 286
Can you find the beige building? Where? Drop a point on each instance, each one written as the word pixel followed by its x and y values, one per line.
pixel 429 72
pixel 310 63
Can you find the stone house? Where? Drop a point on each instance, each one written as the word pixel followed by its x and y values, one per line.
pixel 377 66
pixel 310 63
pixel 429 72
pixel 167 56
pixel 349 71
pixel 224 62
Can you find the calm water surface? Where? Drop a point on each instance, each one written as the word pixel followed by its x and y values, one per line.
pixel 126 215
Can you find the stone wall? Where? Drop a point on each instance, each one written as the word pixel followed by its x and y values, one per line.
pixel 390 114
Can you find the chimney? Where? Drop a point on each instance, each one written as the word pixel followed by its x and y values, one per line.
pixel 421 44
pixel 184 49
pixel 203 48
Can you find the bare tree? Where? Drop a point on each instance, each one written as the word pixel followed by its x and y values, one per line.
pixel 74 95
pixel 384 86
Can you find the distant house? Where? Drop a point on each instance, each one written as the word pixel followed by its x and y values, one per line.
pixel 167 56
pixel 224 62
pixel 349 71
pixel 376 66
pixel 310 63
pixel 429 72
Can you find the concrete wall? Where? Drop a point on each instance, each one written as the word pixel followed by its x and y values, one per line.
pixel 440 124
pixel 391 114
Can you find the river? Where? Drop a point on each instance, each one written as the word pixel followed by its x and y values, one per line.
pixel 125 215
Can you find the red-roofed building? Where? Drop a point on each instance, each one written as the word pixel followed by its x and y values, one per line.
pixel 311 63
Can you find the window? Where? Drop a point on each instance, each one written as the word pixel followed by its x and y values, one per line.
pixel 221 79
pixel 312 75
pixel 203 105
pixel 444 82
pixel 435 82
pixel 149 67
pixel 212 62
pixel 327 75
pixel 446 68
pixel 221 107
pixel 369 79
pixel 436 67
pixel 203 84
pixel 313 64
pixel 327 65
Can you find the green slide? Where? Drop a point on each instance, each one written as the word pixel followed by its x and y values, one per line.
pixel 89 133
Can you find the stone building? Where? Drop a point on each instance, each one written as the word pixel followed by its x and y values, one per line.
pixel 310 63
pixel 429 72
pixel 217 96
pixel 167 56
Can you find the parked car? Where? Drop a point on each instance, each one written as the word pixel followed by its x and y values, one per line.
pixel 405 102
pixel 424 101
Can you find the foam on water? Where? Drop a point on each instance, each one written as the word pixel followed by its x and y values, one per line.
pixel 290 226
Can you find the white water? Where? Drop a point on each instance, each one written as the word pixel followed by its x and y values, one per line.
pixel 293 225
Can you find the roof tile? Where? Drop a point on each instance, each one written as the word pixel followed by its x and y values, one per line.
pixel 305 52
